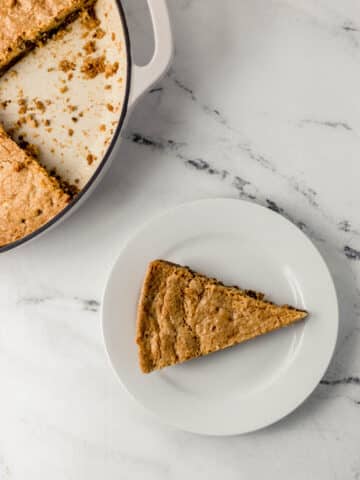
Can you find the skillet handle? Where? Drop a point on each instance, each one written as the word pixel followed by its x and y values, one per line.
pixel 144 77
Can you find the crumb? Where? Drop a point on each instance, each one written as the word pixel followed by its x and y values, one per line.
pixel 108 87
pixel 31 121
pixel 47 102
pixel 74 119
pixel 22 106
pixel 99 33
pixel 65 66
pixel 110 107
pixel 113 36
pixel 72 108
pixel 88 19
pixel 70 132
pixel 64 89
pixel 90 47
pixel 70 76
pixel 77 180
pixel 102 128
pixel 13 73
pixel 81 114
pixel 52 150
pixel 85 35
pixel 111 69
pixel 92 66
pixel 5 104
pixel 20 121
pixel 46 122
pixel 49 129
pixel 40 106
pixel 90 158
pixel 50 69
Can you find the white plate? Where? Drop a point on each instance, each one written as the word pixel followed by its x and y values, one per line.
pixel 249 386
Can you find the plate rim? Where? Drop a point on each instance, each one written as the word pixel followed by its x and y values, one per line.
pixel 157 217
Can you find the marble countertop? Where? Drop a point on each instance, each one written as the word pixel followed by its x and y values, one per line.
pixel 261 103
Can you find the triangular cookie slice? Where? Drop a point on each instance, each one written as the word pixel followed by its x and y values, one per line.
pixel 184 315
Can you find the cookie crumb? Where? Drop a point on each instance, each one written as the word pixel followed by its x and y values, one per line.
pixel 93 66
pixel 31 121
pixel 22 106
pixel 90 158
pixel 19 122
pixel 40 105
pixel 5 103
pixel 70 132
pixel 110 107
pixel 111 69
pixel 99 33
pixel 66 66
pixel 90 47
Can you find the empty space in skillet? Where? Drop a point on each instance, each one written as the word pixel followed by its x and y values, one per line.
pixel 77 116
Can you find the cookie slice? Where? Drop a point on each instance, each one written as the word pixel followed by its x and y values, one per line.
pixel 184 315
pixel 29 196
pixel 24 23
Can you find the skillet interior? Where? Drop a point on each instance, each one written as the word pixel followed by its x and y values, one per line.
pixel 101 103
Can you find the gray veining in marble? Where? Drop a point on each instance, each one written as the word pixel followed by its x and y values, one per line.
pixel 261 103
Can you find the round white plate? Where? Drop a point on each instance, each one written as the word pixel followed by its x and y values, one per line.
pixel 251 385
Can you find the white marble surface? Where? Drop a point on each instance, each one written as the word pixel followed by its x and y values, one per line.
pixel 262 103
